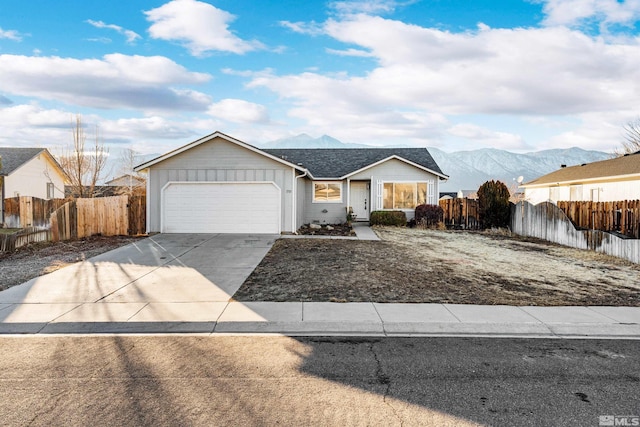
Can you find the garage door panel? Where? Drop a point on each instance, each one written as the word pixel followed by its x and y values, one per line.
pixel 221 208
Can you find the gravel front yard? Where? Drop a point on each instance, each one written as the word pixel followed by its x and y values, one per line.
pixel 431 266
pixel 41 258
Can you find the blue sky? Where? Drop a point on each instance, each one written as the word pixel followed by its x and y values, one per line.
pixel 453 74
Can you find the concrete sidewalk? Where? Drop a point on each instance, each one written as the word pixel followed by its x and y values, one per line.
pixel 321 318
pixel 183 284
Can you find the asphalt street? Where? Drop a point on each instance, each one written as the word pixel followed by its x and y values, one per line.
pixel 271 380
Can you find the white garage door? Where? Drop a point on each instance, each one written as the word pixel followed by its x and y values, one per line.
pixel 221 207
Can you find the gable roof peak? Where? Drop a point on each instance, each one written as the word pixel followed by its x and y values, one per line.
pixel 210 137
pixel 14 157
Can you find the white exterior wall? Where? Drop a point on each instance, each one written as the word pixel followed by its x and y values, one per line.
pixel 597 191
pixel 395 170
pixel 214 161
pixel 31 179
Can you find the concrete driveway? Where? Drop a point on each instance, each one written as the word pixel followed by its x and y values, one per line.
pixel 167 280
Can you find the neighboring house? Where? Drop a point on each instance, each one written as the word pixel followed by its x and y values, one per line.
pixel 127 180
pixel 128 184
pixel 219 184
pixel 31 172
pixel 604 181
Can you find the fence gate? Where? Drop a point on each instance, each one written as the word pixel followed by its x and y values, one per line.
pixel 461 213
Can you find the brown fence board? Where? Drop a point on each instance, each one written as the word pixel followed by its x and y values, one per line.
pixel 107 216
pixel 137 215
pixel 461 213
pixel 26 211
pixel 621 216
pixel 61 219
pixel 63 222
pixel 11 242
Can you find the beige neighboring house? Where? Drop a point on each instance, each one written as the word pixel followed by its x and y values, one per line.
pixel 31 172
pixel 127 180
pixel 604 181
pixel 127 184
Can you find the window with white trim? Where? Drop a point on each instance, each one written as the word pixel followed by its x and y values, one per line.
pixel 327 192
pixel 404 195
pixel 51 190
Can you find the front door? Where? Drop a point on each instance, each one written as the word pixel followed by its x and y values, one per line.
pixel 360 200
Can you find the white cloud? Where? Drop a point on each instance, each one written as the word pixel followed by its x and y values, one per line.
pixel 577 12
pixel 201 27
pixel 115 81
pixel 103 40
pixel 33 115
pixel 484 136
pixel 239 111
pixel 426 71
pixel 130 35
pixel 369 7
pixel 594 131
pixel 311 28
pixel 145 128
pixel 10 34
pixel 351 52
pixel 27 125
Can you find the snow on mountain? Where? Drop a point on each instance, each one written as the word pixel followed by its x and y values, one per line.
pixel 468 170
pixel 305 141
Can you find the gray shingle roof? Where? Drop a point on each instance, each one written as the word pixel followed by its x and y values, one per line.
pixel 13 158
pixel 338 162
pixel 625 165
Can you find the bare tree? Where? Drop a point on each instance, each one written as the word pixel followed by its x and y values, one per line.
pixel 132 180
pixel 83 167
pixel 631 143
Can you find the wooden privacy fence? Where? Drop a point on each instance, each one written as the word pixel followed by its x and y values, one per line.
pixel 547 221
pixel 137 215
pixel 108 216
pixel 105 215
pixel 461 213
pixel 64 222
pixel 26 211
pixel 10 242
pixel 622 216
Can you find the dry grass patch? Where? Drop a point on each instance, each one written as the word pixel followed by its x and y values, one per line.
pixel 434 266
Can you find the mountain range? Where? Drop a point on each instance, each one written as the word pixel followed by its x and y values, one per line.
pixel 468 170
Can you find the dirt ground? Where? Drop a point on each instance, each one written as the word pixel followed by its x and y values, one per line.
pixel 432 266
pixel 41 258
